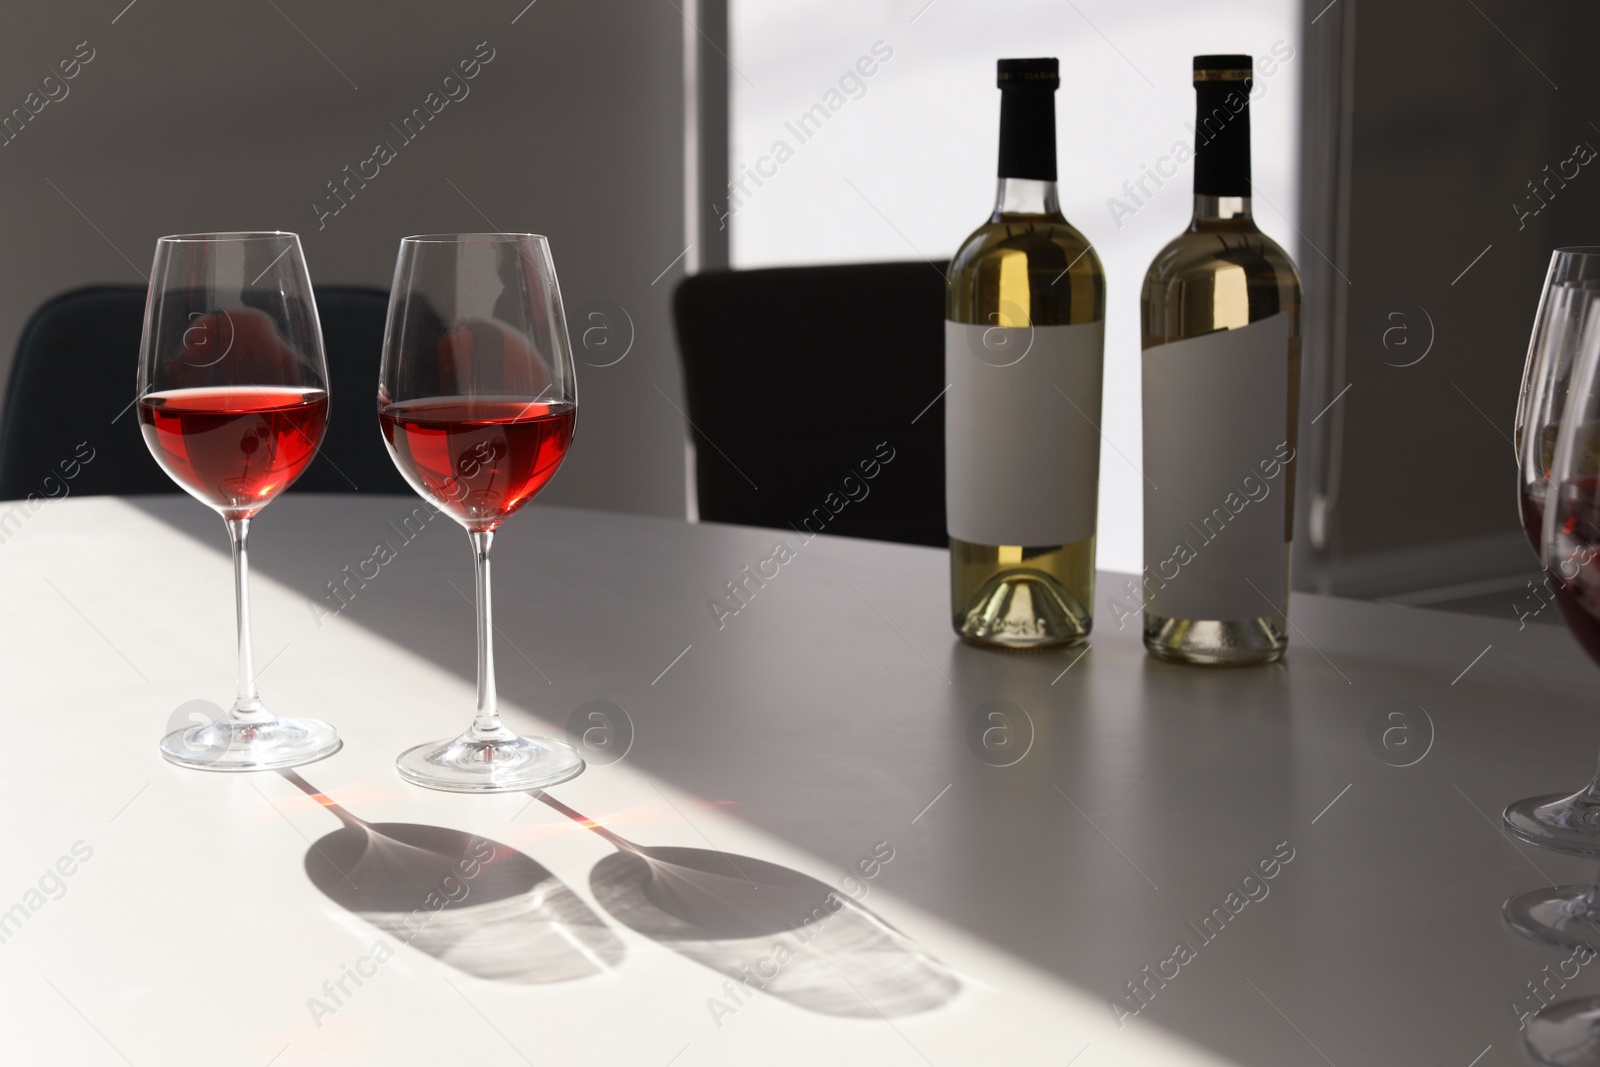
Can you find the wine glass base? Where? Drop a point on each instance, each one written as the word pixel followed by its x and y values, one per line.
pixel 1566 1034
pixel 1556 915
pixel 226 745
pixel 1559 821
pixel 510 764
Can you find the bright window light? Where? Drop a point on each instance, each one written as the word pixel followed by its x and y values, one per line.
pixel 903 166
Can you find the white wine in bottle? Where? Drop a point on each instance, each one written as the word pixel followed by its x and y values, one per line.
pixel 1221 383
pixel 1024 340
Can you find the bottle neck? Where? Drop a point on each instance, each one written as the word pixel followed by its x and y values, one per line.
pixel 1223 212
pixel 1028 134
pixel 1026 196
pixel 1222 144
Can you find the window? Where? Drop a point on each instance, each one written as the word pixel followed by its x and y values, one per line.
pixel 903 164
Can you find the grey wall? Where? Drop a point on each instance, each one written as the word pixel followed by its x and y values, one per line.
pixel 223 116
pixel 1455 107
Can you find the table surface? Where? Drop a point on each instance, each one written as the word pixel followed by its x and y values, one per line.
pixel 1010 840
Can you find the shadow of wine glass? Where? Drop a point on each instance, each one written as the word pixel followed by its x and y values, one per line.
pixel 767 927
pixel 480 906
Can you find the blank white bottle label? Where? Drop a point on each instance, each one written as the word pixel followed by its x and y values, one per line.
pixel 1022 448
pixel 1216 460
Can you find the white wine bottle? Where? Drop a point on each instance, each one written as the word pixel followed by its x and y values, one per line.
pixel 1221 385
pixel 1024 342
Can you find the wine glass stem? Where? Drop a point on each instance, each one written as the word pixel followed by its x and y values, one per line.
pixel 1591 792
pixel 247 707
pixel 487 722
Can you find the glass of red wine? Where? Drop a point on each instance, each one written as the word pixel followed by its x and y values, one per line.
pixel 1569 1032
pixel 233 402
pixel 1559 915
pixel 1569 822
pixel 477 402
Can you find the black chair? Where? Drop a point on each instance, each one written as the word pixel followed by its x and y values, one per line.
pixel 801 380
pixel 73 381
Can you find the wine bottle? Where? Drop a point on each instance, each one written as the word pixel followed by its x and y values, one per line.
pixel 1024 340
pixel 1221 383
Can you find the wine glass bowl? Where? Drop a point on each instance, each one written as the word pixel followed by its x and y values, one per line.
pixel 1558 327
pixel 233 402
pixel 477 404
pixel 478 460
pixel 235 449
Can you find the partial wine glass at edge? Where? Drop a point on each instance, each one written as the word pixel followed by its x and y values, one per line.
pixel 1566 1033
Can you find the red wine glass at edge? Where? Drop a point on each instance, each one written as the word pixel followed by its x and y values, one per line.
pixel 1567 521
pixel 1551 418
pixel 477 404
pixel 1562 328
pixel 233 402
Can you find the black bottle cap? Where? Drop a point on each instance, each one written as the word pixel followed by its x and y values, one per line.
pixel 1028 118
pixel 1230 68
pixel 1044 74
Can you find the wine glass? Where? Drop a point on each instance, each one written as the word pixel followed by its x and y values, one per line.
pixel 477 402
pixel 1569 1033
pixel 1557 820
pixel 1569 915
pixel 233 402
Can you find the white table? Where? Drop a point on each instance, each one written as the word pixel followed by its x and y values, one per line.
pixel 827 721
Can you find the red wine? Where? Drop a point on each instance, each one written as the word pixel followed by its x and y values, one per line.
pixel 1577 611
pixel 1577 575
pixel 1573 608
pixel 1532 510
pixel 480 458
pixel 234 448
pixel 1531 507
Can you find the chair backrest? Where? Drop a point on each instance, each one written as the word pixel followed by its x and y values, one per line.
pixel 811 397
pixel 72 388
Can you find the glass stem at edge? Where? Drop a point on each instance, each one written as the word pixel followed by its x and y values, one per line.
pixel 247 708
pixel 1589 902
